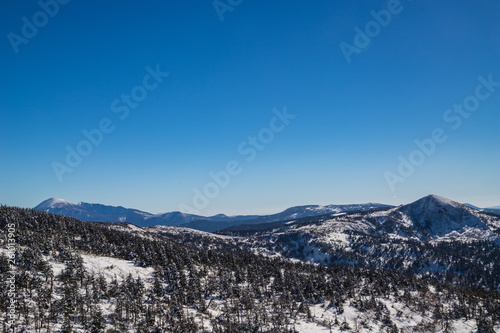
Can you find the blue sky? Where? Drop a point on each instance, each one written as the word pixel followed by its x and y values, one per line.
pixel 352 119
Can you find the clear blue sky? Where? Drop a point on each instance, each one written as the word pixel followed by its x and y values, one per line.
pixel 353 120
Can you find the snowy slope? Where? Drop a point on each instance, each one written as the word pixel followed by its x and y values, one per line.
pixel 352 316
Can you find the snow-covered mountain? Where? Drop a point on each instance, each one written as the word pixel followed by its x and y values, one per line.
pixel 433 236
pixel 296 212
pixel 429 236
pixel 315 210
pixel 435 217
pixel 102 213
pixel 94 212
pixel 431 218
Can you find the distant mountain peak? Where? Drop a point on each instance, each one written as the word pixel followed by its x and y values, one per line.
pixel 442 200
pixel 219 216
pixel 435 215
pixel 52 203
pixel 433 201
pixel 472 206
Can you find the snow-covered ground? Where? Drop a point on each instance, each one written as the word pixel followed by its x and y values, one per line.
pixel 322 319
pixel 116 268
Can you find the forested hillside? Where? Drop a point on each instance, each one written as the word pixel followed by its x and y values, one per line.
pixel 74 276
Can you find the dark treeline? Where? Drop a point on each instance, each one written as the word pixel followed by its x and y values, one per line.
pixel 204 290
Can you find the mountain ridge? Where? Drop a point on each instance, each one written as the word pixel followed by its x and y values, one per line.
pixel 103 213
